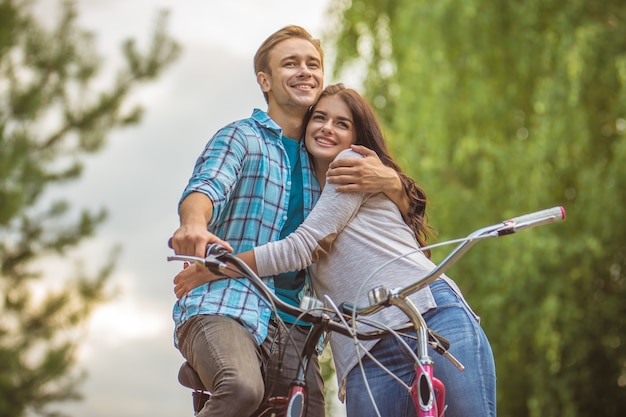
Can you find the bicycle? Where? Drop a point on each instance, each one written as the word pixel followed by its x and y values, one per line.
pixel 427 392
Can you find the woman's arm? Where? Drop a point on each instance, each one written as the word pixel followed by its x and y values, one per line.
pixel 315 236
pixel 311 240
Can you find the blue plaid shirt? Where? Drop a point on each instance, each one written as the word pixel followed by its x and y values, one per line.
pixel 244 170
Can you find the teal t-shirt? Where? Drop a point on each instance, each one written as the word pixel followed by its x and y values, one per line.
pixel 289 284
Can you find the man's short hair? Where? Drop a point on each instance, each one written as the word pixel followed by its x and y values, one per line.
pixel 261 58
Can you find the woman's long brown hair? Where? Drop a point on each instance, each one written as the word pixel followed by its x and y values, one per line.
pixel 369 134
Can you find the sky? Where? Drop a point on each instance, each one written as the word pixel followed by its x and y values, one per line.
pixel 138 177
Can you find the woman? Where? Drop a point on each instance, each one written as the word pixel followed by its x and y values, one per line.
pixel 349 235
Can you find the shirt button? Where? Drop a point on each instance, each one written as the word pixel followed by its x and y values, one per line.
pixel 285 218
pixel 288 182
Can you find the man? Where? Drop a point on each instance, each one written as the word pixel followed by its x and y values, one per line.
pixel 254 184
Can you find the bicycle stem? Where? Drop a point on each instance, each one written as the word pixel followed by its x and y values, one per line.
pixel 417 320
pixel 393 297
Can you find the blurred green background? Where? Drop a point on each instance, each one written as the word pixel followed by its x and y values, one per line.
pixel 498 109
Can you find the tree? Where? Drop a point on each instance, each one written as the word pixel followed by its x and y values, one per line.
pixel 51 115
pixel 503 108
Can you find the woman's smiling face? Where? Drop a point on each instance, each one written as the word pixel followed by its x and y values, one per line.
pixel 330 129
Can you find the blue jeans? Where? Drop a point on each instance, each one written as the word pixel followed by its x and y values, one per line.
pixel 468 393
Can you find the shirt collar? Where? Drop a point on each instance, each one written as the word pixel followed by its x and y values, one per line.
pixel 264 120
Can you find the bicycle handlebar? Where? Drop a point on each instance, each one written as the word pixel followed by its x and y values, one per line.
pixel 217 258
pixel 379 297
pixel 536 218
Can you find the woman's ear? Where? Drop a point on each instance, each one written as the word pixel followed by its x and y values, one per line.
pixel 263 80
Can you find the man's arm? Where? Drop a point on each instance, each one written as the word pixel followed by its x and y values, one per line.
pixel 368 175
pixel 192 236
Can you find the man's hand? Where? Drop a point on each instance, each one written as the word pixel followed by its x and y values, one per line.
pixel 192 277
pixel 192 237
pixel 193 240
pixel 367 175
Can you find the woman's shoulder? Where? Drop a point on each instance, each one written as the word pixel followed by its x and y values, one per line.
pixel 348 153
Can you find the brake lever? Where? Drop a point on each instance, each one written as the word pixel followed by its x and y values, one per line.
pixel 211 261
pixel 440 344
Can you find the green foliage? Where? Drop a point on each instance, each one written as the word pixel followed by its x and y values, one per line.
pixel 499 109
pixel 50 117
pixel 327 368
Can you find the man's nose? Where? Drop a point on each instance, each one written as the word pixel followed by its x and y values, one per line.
pixel 304 70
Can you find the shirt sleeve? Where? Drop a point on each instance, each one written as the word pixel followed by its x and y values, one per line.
pixel 315 236
pixel 216 171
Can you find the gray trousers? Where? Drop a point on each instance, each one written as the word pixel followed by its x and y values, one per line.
pixel 238 372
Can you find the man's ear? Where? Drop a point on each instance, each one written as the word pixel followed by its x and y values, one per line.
pixel 263 80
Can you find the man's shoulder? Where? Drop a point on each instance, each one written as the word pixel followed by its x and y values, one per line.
pixel 244 131
pixel 246 125
pixel 258 124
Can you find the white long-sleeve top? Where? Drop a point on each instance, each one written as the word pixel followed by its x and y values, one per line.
pixel 345 239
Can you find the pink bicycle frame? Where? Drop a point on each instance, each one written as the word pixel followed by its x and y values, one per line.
pixel 428 392
pixel 422 391
pixel 295 408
